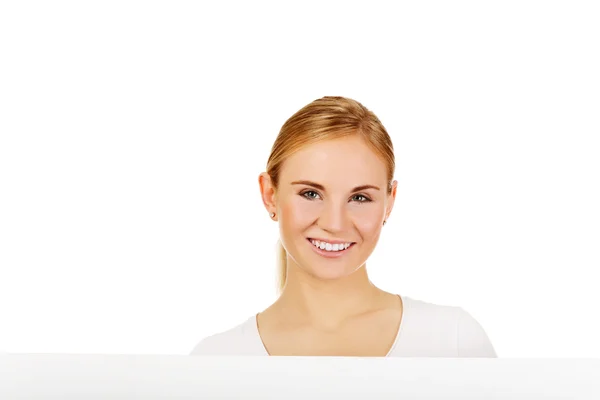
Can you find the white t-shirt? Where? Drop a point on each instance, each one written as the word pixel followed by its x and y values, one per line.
pixel 426 330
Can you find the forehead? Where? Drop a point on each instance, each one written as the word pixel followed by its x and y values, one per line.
pixel 347 159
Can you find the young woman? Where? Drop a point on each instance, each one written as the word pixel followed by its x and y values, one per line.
pixel 329 184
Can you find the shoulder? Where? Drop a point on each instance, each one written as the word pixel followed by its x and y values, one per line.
pixel 444 330
pixel 471 338
pixel 242 339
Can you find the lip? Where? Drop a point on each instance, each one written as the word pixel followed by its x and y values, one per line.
pixel 329 254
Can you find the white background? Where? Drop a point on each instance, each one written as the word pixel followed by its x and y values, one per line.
pixel 132 135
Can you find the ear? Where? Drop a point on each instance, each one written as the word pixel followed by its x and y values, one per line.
pixel 391 200
pixel 267 192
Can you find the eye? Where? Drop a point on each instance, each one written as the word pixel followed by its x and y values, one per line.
pixel 309 194
pixel 361 198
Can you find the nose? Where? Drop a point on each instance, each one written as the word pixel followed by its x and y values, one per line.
pixel 333 217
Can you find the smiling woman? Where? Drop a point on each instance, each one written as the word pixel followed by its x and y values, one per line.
pixel 329 185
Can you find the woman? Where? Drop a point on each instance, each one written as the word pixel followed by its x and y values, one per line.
pixel 329 184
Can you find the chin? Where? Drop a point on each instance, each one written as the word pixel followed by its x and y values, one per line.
pixel 330 269
pixel 326 265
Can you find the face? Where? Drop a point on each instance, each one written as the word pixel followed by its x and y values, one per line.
pixel 331 202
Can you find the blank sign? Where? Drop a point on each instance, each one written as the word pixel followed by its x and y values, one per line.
pixel 51 376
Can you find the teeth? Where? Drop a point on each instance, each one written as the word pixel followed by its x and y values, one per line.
pixel 330 247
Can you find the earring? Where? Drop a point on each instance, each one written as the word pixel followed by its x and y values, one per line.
pixel 272 215
pixel 384 221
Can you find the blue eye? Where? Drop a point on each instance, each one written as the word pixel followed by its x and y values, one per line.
pixel 366 199
pixel 304 194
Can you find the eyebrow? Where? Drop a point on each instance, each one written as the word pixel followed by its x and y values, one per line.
pixel 321 187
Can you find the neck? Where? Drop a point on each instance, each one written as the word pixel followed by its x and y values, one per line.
pixel 326 303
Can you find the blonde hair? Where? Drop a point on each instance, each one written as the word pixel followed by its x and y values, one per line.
pixel 326 118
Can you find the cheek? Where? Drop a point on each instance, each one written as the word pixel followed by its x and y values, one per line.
pixel 367 221
pixel 298 209
pixel 297 213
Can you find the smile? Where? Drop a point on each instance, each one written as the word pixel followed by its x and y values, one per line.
pixel 330 249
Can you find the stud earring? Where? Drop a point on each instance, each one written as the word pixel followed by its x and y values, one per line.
pixel 272 215
pixel 384 221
